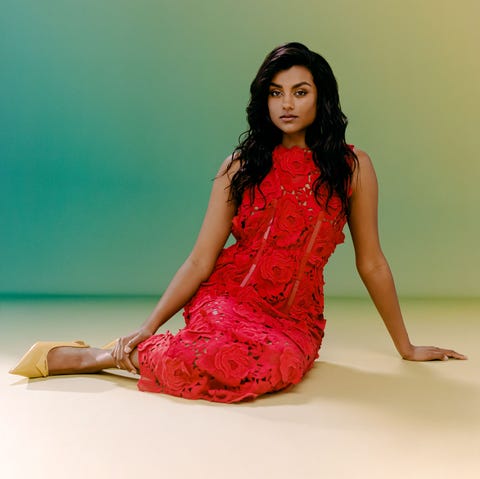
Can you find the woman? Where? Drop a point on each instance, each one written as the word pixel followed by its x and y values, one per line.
pixel 253 311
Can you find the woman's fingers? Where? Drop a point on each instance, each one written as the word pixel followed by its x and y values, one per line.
pixel 450 353
pixel 431 353
pixel 121 353
pixel 444 354
pixel 117 354
pixel 129 366
pixel 131 345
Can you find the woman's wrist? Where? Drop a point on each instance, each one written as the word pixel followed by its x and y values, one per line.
pixel 150 325
pixel 406 350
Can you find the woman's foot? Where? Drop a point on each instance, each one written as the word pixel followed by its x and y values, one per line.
pixel 34 362
pixel 47 358
pixel 68 360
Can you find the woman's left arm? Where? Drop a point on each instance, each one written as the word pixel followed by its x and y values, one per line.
pixel 373 267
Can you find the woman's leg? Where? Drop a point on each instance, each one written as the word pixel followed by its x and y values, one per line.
pixel 67 360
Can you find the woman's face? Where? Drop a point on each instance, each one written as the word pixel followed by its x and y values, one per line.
pixel 292 103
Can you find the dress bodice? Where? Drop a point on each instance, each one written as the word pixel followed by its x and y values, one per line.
pixel 284 237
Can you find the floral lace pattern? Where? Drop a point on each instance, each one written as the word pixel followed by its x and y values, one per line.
pixel 256 325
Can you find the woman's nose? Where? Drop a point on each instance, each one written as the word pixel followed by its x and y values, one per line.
pixel 287 102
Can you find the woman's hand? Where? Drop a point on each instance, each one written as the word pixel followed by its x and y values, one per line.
pixel 430 353
pixel 125 345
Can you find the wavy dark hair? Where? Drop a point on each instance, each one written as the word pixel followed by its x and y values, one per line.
pixel 325 136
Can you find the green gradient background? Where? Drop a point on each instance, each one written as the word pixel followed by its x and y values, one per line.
pixel 115 115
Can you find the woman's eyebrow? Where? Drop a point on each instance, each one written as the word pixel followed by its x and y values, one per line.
pixel 294 86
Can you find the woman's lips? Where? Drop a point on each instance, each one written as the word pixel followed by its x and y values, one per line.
pixel 288 117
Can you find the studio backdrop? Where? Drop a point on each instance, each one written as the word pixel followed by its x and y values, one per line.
pixel 115 116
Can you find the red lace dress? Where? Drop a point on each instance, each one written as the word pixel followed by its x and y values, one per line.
pixel 256 325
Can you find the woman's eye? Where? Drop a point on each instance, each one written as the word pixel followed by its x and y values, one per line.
pixel 274 93
pixel 300 93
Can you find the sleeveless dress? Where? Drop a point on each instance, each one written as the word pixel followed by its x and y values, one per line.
pixel 256 325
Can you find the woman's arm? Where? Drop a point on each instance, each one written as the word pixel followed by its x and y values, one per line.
pixel 201 261
pixel 373 267
pixel 196 269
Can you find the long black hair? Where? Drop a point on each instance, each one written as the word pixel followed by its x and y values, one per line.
pixel 325 136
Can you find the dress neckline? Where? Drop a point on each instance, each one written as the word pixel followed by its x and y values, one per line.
pixel 294 153
pixel 282 148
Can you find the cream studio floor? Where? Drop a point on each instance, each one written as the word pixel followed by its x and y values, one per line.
pixel 362 412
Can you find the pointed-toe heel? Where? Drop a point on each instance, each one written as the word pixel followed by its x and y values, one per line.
pixel 34 362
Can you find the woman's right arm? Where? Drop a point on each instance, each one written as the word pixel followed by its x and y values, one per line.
pixel 201 261
pixel 197 267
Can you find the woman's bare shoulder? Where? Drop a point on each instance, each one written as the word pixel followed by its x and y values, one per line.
pixel 230 165
pixel 365 172
pixel 362 156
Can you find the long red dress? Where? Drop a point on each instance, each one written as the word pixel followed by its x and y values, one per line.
pixel 256 325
